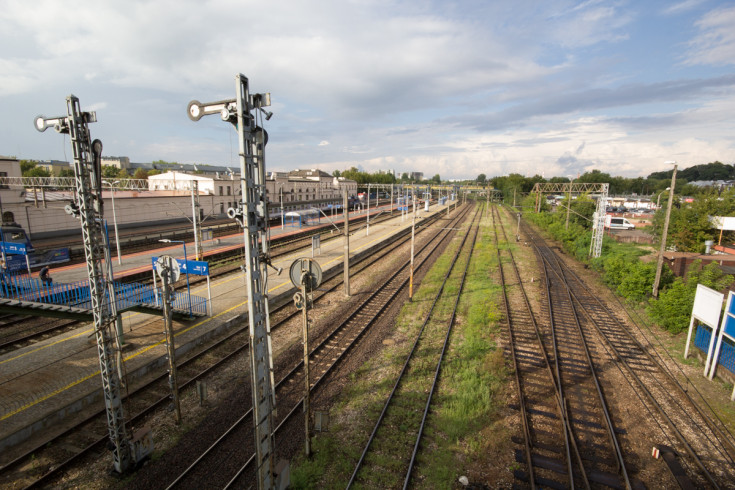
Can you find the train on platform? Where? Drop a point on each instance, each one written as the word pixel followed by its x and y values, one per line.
pixel 18 252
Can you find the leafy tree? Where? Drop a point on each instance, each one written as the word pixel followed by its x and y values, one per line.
pixel 66 172
pixel 30 168
pixel 481 179
pixel 37 172
pixel 109 172
pixel 336 173
pixel 558 180
pixel 690 223
pixel 514 184
pixel 368 178
pixel 582 210
pixel 710 171
pixel 141 173
pixel 404 177
pixel 436 179
pixel 27 165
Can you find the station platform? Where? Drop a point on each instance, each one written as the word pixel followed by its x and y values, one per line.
pixel 42 386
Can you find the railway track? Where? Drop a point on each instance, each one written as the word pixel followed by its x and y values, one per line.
pixel 408 404
pixel 699 450
pixel 570 438
pixel 235 444
pixel 90 435
pixel 25 331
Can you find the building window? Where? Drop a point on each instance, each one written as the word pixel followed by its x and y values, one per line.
pixel 220 190
pixel 229 190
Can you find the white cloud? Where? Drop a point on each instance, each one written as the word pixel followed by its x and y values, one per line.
pixel 680 7
pixel 715 43
pixel 455 89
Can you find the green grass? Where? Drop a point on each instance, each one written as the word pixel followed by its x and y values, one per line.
pixel 467 400
pixel 473 378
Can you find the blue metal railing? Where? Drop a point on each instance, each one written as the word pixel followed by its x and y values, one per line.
pixel 727 355
pixel 77 294
pixel 702 337
pixel 727 350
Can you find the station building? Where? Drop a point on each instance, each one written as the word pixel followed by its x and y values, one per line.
pixel 168 198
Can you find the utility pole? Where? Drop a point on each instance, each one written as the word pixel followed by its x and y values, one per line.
pixel 244 112
pixel 413 234
pixel 88 207
pixel 660 262
pixel 347 247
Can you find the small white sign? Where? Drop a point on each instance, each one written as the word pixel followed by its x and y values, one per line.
pixel 708 305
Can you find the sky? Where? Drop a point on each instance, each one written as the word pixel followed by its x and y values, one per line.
pixel 455 88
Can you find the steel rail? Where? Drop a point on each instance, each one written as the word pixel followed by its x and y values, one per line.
pixel 593 375
pixel 516 367
pixel 299 403
pixel 569 441
pixel 441 357
pixel 8 344
pixel 405 367
pixel 297 406
pixel 672 424
pixel 698 462
pixel 363 264
pixel 712 425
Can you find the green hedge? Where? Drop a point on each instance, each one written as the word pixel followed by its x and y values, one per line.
pixel 625 273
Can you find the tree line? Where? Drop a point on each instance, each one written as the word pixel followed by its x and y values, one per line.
pixel 641 186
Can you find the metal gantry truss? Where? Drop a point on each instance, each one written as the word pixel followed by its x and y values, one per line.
pixel 598 218
pixel 88 208
pixel 243 112
pixel 70 183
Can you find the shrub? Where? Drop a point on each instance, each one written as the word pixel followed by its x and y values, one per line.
pixel 673 307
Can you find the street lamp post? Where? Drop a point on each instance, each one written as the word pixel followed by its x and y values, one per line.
pixel 114 218
pixel 658 200
pixel 660 262
pixel 186 260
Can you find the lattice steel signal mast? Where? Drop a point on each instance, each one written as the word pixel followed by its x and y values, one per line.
pixel 252 216
pixel 88 208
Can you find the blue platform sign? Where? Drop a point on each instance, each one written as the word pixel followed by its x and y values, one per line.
pixel 196 267
pixel 14 248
